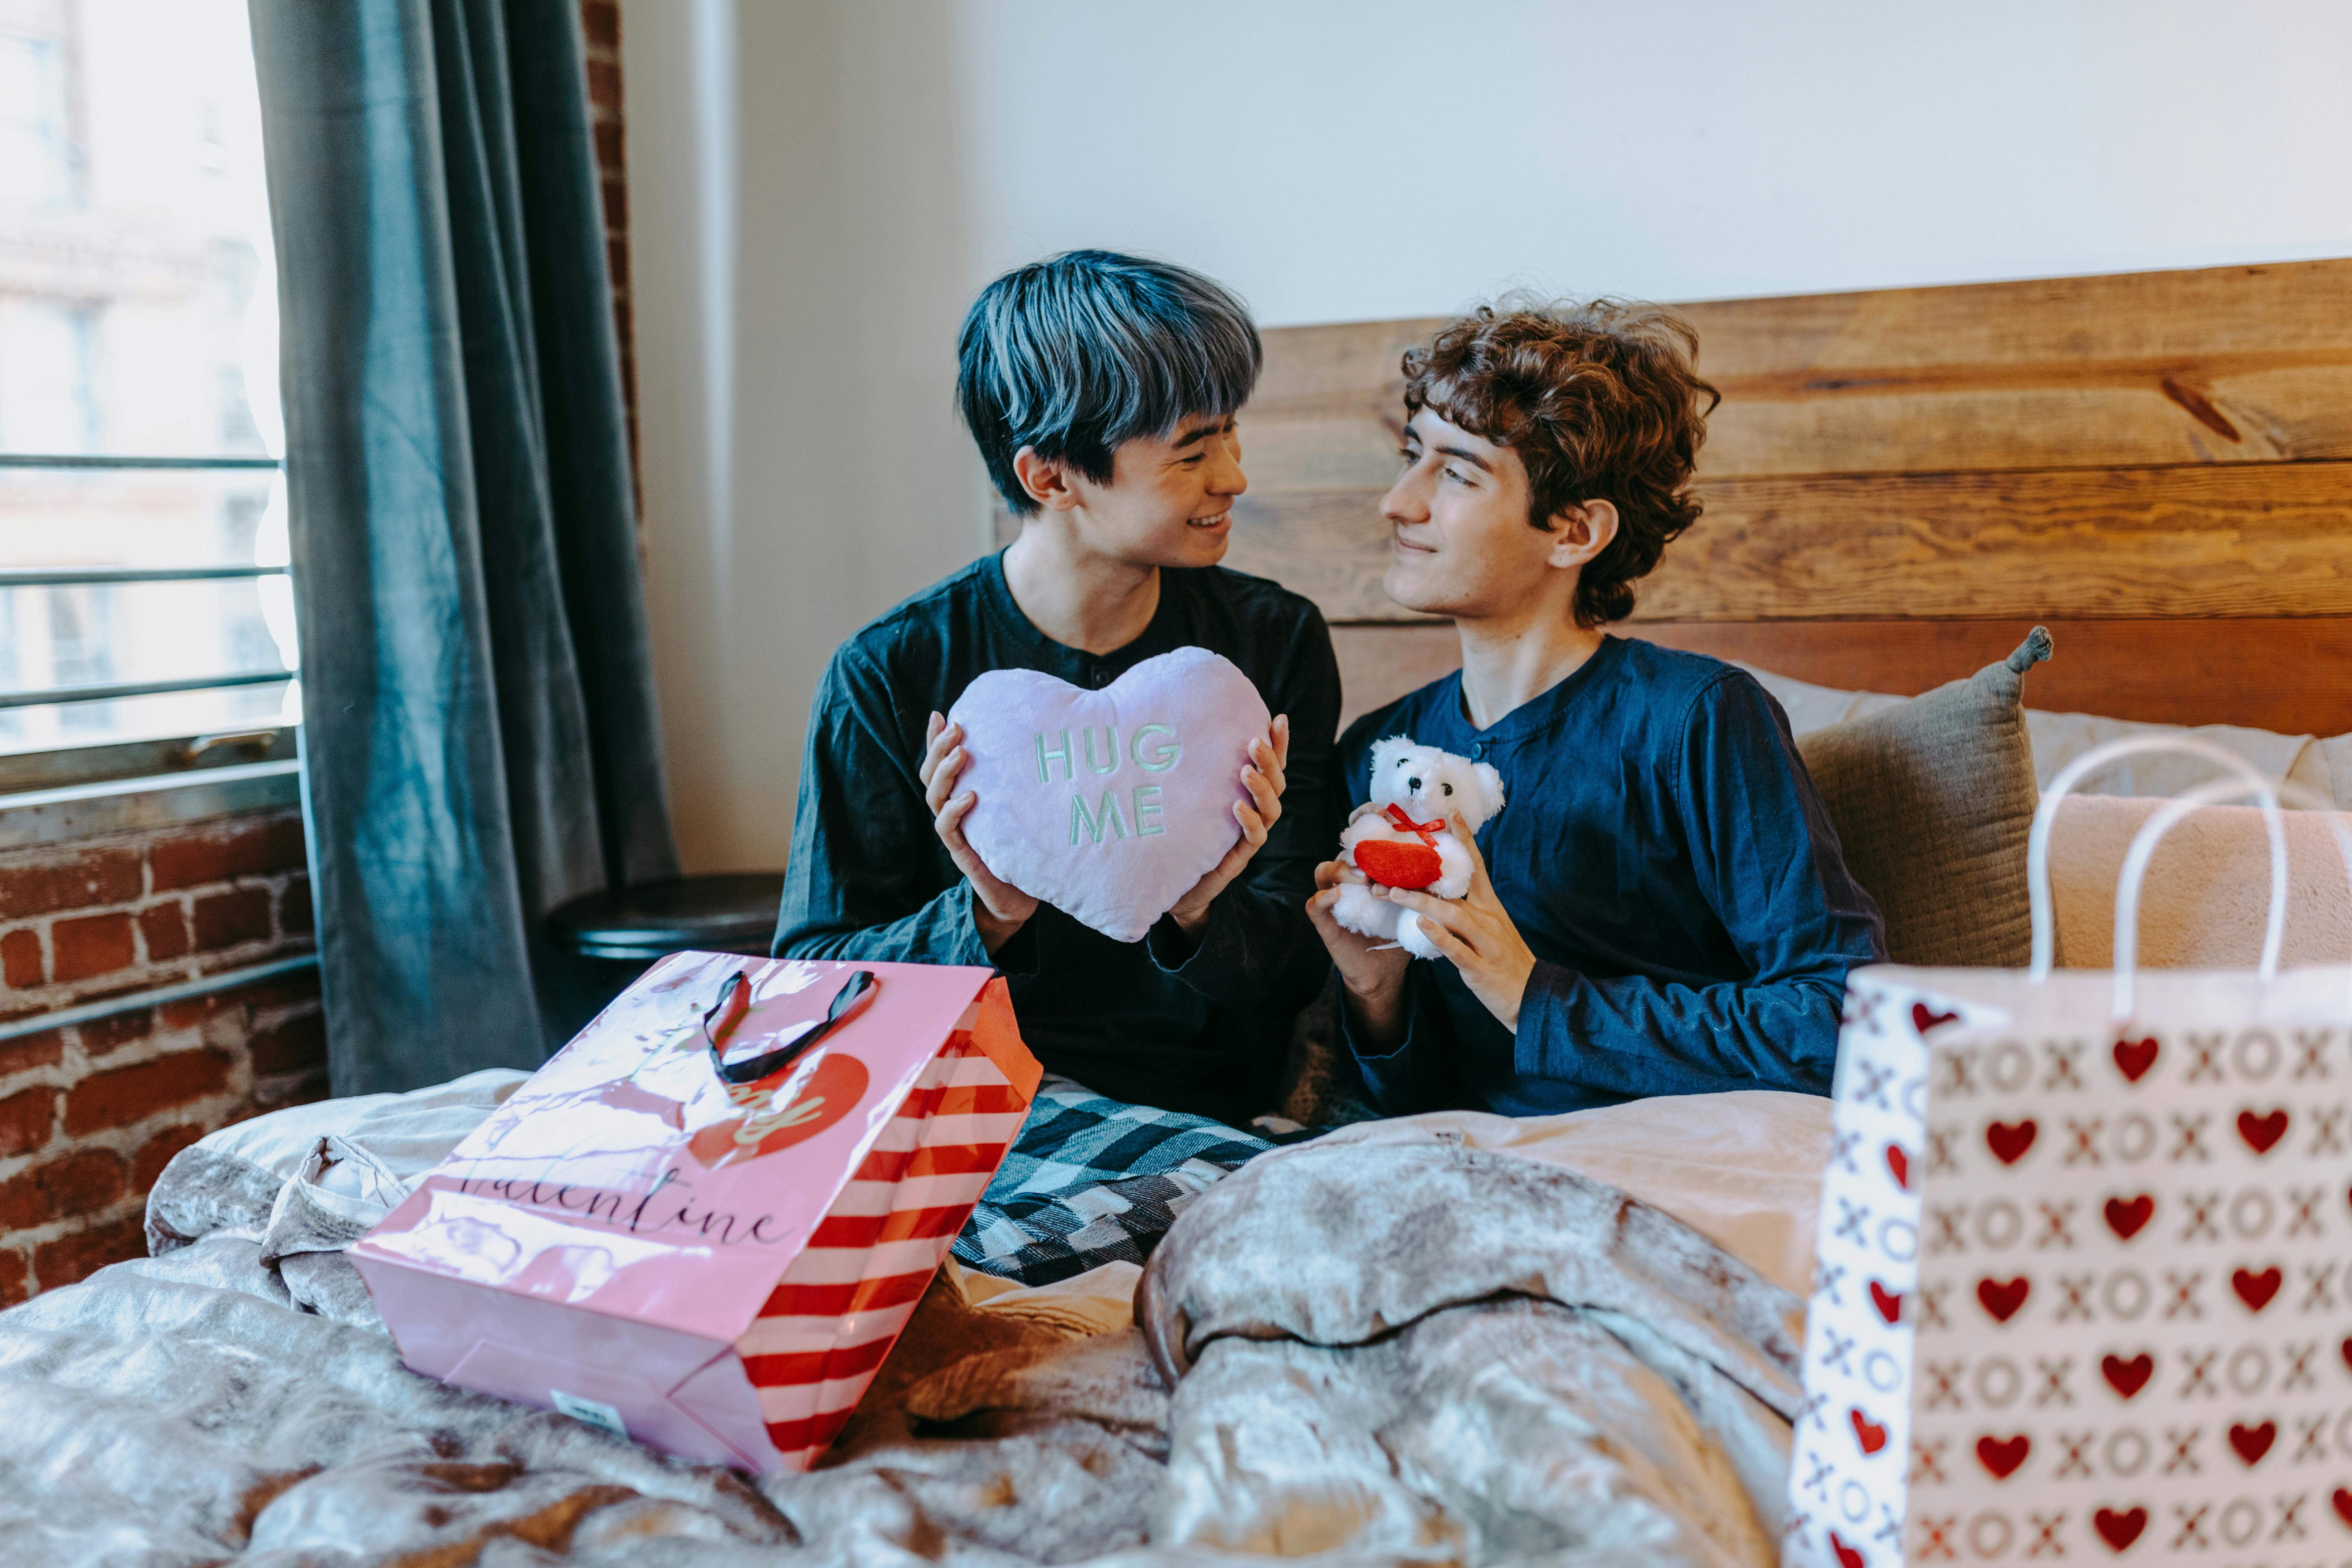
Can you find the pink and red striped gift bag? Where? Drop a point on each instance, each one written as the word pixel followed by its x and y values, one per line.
pixel 704 1223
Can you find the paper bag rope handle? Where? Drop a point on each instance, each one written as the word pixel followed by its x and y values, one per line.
pixel 2160 822
pixel 2037 842
pixel 856 993
pixel 2245 781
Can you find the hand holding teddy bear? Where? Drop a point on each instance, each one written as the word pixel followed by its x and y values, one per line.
pixel 1411 883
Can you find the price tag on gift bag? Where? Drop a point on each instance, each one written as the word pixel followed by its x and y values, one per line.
pixel 2084 1278
pixel 703 1224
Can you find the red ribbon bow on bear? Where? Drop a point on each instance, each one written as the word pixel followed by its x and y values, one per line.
pixel 1427 831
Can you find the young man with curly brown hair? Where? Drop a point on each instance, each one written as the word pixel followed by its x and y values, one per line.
pixel 1661 906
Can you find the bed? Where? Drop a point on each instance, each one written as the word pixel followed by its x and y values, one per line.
pixel 1445 1339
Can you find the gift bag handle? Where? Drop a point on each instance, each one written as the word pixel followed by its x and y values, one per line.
pixel 734 1000
pixel 2159 823
pixel 2037 842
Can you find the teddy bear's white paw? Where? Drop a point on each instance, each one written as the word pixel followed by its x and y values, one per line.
pixel 1413 939
pixel 1357 911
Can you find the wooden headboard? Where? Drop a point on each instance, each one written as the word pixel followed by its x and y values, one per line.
pixel 1898 484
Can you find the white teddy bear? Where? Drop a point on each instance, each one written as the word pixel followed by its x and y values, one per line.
pixel 1404 837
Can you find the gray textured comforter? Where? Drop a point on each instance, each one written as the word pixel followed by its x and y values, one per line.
pixel 1378 1355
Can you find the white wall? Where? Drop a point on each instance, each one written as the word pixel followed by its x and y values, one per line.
pixel 819 185
pixel 798 261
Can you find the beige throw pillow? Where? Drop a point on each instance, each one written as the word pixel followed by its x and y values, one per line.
pixel 1932 801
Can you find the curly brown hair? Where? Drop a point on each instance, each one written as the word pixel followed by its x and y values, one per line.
pixel 1600 400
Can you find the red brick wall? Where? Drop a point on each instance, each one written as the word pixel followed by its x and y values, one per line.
pixel 89 1115
pixel 601 23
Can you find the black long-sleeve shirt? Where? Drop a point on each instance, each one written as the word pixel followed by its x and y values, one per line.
pixel 1161 1021
pixel 1665 857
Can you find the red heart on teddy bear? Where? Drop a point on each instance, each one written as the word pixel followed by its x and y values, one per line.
pixel 1398 865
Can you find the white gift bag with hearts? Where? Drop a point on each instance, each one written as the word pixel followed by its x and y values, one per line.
pixel 1109 805
pixel 2084 1286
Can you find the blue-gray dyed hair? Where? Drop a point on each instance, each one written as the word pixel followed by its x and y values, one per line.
pixel 1079 353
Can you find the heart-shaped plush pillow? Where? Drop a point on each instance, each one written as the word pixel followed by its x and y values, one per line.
pixel 1109 805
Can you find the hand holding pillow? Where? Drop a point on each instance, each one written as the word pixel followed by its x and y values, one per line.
pixel 1116 806
pixel 998 908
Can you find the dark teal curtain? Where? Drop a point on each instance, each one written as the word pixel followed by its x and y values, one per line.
pixel 479 733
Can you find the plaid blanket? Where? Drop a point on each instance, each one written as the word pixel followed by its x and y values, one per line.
pixel 1091 1181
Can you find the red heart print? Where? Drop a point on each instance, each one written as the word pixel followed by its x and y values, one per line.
pixel 2009 1142
pixel 1866 1432
pixel 2119 1530
pixel 2260 1131
pixel 2343 1501
pixel 2003 1457
pixel 2256 1290
pixel 2347 1355
pixel 2003 1298
pixel 1849 1557
pixel 1898 1165
pixel 2253 1442
pixel 830 1093
pixel 2127 1377
pixel 2135 1058
pixel 1923 1020
pixel 2126 1218
pixel 1888 1302
pixel 1398 865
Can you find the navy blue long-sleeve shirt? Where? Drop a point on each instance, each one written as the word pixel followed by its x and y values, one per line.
pixel 1161 1021
pixel 1667 858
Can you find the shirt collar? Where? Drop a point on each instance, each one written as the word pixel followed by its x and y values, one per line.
pixel 1536 717
pixel 1166 631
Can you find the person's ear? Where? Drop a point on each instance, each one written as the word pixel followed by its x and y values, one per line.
pixel 1047 480
pixel 1580 532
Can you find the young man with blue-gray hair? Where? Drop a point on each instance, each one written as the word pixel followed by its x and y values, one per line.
pixel 1102 391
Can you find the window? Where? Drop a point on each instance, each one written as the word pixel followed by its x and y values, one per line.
pixel 35 162
pixel 143 599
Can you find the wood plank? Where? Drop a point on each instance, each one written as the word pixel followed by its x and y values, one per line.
pixel 2268 541
pixel 2270 407
pixel 1345 359
pixel 2150 317
pixel 2212 540
pixel 2292 675
pixel 2234 365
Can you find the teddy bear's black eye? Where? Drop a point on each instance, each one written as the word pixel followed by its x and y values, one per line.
pixel 1447 788
pixel 1401 761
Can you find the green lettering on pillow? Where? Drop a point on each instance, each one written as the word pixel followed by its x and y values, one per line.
pixel 1044 756
pixel 1105 816
pixel 1163 758
pixel 1110 743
